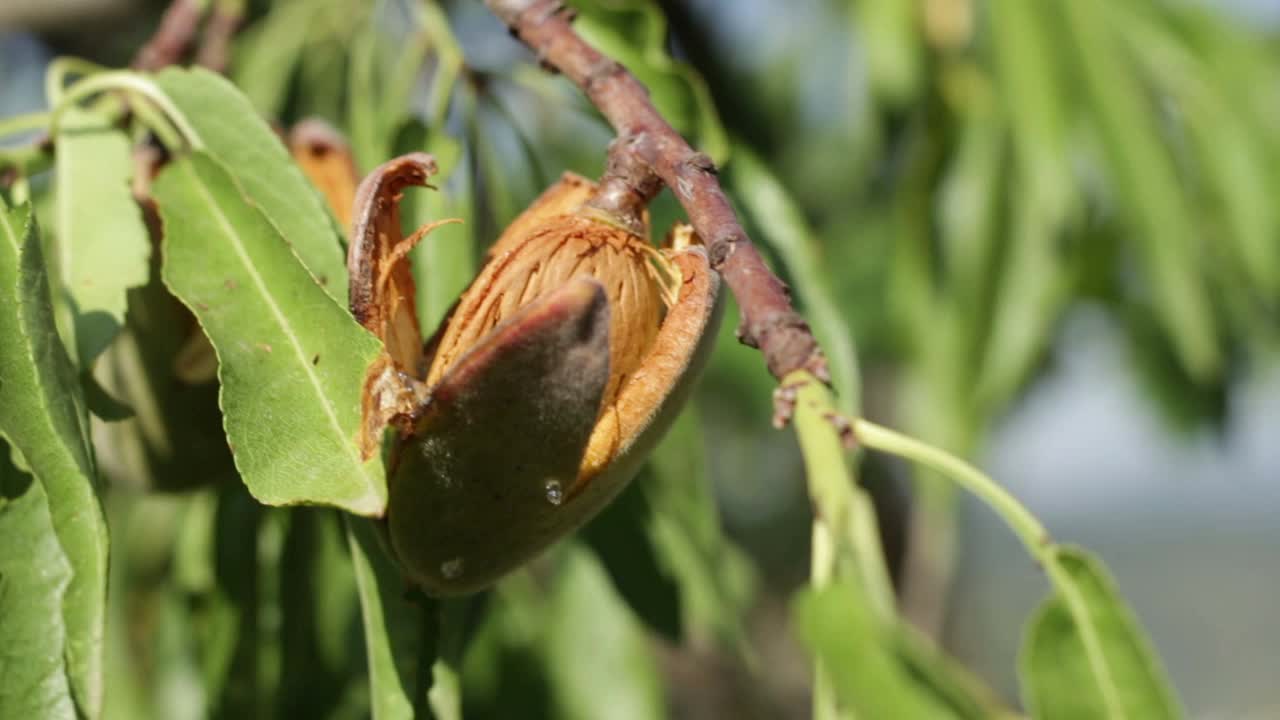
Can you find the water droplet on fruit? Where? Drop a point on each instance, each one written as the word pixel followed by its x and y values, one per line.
pixel 555 495
pixel 451 569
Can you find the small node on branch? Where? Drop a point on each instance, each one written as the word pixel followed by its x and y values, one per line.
pixel 627 185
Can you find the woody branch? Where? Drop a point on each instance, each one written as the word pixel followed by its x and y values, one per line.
pixel 648 150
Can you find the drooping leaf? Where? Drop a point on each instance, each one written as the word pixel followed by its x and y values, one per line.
pixel 634 33
pixel 291 361
pixel 319 610
pixel 1146 182
pixel 391 629
pixel 856 651
pixel 34 575
pixel 42 413
pixel 1085 656
pixel 102 241
pixel 891 43
pixel 231 131
pixel 599 660
pixel 173 438
pixel 715 578
pixel 267 54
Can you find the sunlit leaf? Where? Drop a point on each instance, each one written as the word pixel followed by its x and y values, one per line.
pixel 266 57
pixel 1085 656
pixel 1145 179
pixel 172 438
pixel 291 361
pixel 42 413
pixel 633 32
pixel 231 131
pixel 34 575
pixel 856 649
pixel 101 239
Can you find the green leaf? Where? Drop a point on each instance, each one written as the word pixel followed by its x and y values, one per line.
pixel 634 32
pixel 231 131
pixel 34 575
pixel 890 39
pixel 716 580
pixel 267 54
pixel 1085 656
pixel 598 656
pixel 1146 182
pixel 42 413
pixel 174 439
pixel 291 361
pixel 319 607
pixel 102 242
pixel 856 650
pixel 385 615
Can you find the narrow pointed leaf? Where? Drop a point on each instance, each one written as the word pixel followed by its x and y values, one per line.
pixel 385 616
pixel 1146 181
pixel 634 33
pixel 231 131
pixel 101 238
pixel 267 55
pixel 291 361
pixel 1086 656
pixel 42 413
pixel 715 578
pixel 838 625
pixel 34 575
pixel 598 657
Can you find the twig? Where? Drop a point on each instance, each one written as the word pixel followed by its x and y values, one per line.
pixel 173 37
pixel 648 147
pixel 215 42
pixel 177 32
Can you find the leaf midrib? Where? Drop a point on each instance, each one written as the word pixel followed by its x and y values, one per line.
pixel 276 312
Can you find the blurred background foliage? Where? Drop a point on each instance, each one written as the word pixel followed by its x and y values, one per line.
pixel 1050 227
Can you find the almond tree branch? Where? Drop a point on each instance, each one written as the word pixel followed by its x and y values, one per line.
pixel 179 26
pixel 648 149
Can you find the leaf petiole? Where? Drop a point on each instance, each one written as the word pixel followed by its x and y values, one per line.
pixel 135 85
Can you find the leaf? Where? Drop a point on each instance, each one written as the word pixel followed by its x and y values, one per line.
pixel 598 657
pixel 716 580
pixel 34 575
pixel 291 361
pixel 319 607
pixel 385 615
pixel 173 439
pixel 1147 185
pixel 856 650
pixel 634 32
pixel 42 413
pixel 1085 656
pixel 890 40
pixel 267 54
pixel 232 132
pixel 102 242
